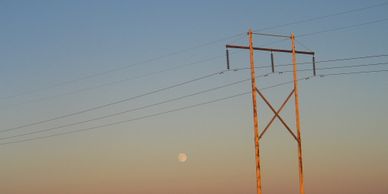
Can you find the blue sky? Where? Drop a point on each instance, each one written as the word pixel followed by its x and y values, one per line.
pixel 44 45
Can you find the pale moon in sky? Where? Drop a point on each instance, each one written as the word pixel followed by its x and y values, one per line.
pixel 182 157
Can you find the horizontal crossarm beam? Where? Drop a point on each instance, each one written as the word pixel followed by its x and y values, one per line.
pixel 270 49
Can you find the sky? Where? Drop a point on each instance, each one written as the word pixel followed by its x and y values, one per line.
pixel 102 96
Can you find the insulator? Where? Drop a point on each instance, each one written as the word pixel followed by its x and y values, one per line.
pixel 272 63
pixel 227 60
pixel 314 70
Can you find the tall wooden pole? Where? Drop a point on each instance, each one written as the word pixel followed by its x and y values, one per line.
pixel 255 115
pixel 294 92
pixel 297 115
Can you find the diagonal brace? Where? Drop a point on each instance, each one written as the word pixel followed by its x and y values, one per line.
pixel 276 114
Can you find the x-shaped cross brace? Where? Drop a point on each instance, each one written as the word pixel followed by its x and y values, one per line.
pixel 277 114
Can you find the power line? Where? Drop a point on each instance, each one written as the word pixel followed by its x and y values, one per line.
pixel 321 61
pixel 344 27
pixel 353 66
pixel 189 49
pixel 336 29
pixel 132 110
pixel 348 58
pixel 126 121
pixel 174 99
pixel 338 59
pixel 143 117
pixel 341 67
pixel 324 16
pixel 166 88
pixel 109 104
pixel 121 68
pixel 113 82
pixel 170 69
pixel 115 102
pixel 303 45
pixel 354 72
pixel 185 107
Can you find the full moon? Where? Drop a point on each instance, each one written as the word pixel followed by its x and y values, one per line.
pixel 182 157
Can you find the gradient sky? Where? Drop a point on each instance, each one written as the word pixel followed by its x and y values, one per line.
pixel 45 43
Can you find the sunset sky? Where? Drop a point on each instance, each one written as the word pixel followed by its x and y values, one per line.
pixel 101 97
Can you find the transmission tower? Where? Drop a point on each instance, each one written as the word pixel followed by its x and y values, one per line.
pixel 256 90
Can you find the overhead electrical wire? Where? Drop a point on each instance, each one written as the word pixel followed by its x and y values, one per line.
pixel 146 116
pixel 126 121
pixel 353 72
pixel 333 30
pixel 347 66
pixel 183 108
pixel 87 110
pixel 307 34
pixel 338 67
pixel 384 3
pixel 115 102
pixel 112 82
pixel 169 69
pixel 341 59
pixel 192 48
pixel 319 61
pixel 175 99
pixel 120 68
pixel 298 42
pixel 170 87
pixel 343 27
pixel 341 67
pixel 134 109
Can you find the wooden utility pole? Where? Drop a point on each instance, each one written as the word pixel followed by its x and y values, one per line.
pixel 294 91
pixel 297 114
pixel 255 114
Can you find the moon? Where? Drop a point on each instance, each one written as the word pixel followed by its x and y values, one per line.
pixel 182 157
